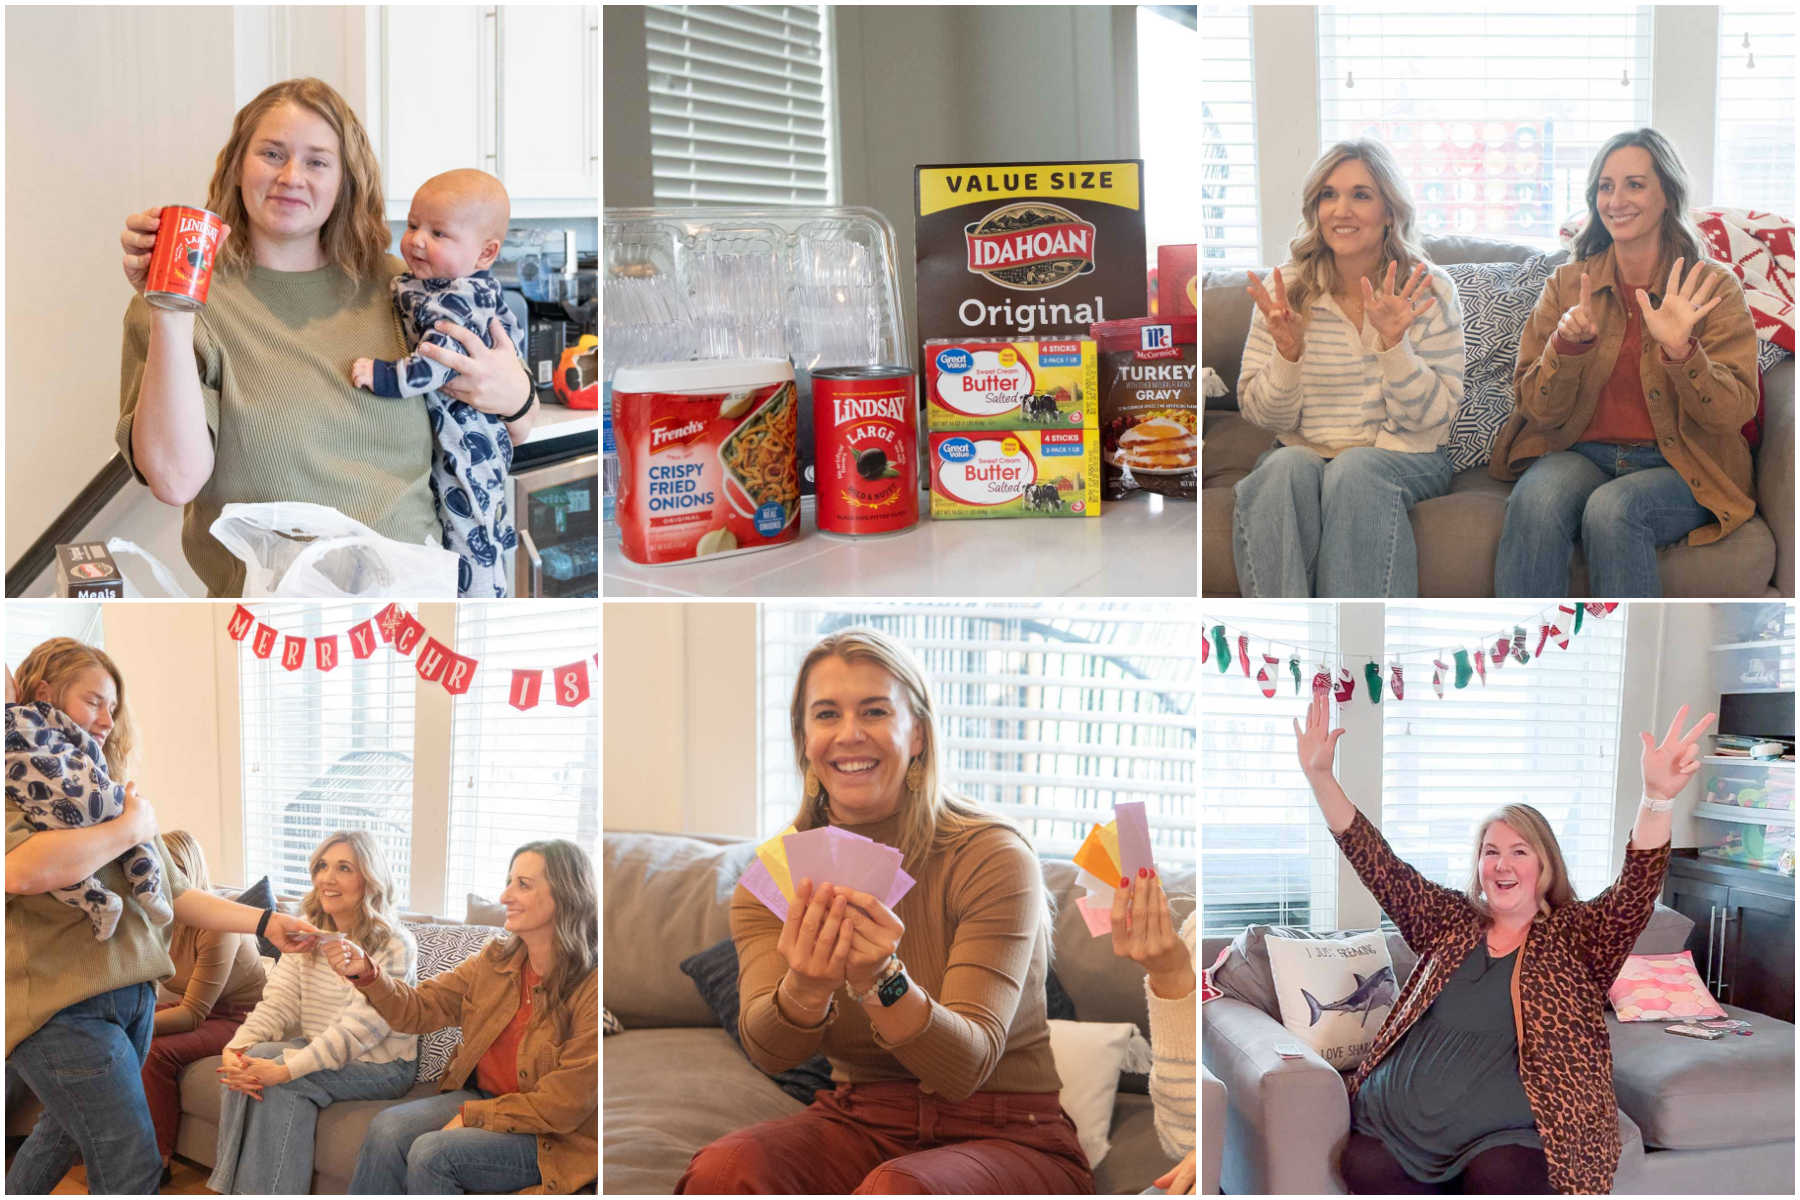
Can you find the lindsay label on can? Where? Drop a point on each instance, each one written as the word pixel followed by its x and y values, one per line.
pixel 706 458
pixel 181 262
pixel 865 449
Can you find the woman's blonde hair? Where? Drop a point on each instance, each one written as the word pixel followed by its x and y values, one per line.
pixel 569 874
pixel 355 236
pixel 1680 237
pixel 1554 889
pixel 932 817
pixel 375 920
pixel 184 851
pixel 1315 267
pixel 55 664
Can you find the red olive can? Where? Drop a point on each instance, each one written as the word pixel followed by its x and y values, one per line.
pixel 866 449
pixel 181 263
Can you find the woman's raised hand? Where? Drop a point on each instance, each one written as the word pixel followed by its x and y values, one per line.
pixel 1284 326
pixel 1668 765
pixel 815 940
pixel 1392 310
pixel 1317 743
pixel 1577 323
pixel 346 958
pixel 139 239
pixel 1143 930
pixel 875 936
pixel 1684 303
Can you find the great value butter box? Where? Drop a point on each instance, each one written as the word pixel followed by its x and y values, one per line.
pixel 990 385
pixel 1014 473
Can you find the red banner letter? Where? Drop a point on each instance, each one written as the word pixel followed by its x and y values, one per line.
pixel 263 642
pixel 432 660
pixel 325 652
pixel 293 653
pixel 525 685
pixel 362 639
pixel 572 684
pixel 457 676
pixel 408 635
pixel 239 625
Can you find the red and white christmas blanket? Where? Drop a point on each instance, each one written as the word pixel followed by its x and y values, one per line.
pixel 1759 246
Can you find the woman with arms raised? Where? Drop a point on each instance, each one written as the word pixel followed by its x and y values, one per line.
pixel 1493 1072
pixel 1355 359
pixel 932 1012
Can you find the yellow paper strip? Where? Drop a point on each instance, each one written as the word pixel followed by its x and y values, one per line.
pixel 1109 837
pixel 1094 859
pixel 774 857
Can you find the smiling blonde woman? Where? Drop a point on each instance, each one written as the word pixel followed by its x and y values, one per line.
pixel 1493 1072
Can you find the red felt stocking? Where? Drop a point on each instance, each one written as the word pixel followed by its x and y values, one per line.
pixel 1438 667
pixel 1397 684
pixel 1266 674
pixel 1244 653
pixel 1346 685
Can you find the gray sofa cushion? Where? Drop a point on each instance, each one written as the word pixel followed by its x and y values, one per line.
pixel 1693 1095
pixel 715 974
pixel 1497 299
pixel 1245 972
pixel 442 947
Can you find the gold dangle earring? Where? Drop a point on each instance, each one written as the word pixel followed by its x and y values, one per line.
pixel 810 786
pixel 915 776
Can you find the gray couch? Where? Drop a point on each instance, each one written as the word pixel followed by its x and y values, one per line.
pixel 1694 1117
pixel 1458 533
pixel 674 1081
pixel 342 1126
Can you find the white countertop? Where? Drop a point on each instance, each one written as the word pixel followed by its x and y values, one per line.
pixel 1147 545
pixel 559 420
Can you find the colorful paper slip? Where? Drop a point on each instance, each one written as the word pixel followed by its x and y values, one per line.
pixel 774 860
pixel 1099 920
pixel 1134 838
pixel 761 884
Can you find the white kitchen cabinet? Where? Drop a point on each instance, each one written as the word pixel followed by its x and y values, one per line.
pixel 510 89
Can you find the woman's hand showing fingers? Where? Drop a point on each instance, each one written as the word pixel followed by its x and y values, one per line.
pixel 1316 745
pixel 876 934
pixel 1391 309
pixel 1143 930
pixel 1577 323
pixel 1669 764
pixel 488 379
pixel 138 239
pixel 1178 1180
pixel 815 940
pixel 1282 322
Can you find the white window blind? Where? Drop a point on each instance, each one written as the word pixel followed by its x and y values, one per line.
pixel 29 624
pixel 1051 712
pixel 1168 45
pixel 1544 733
pixel 324 750
pixel 1229 219
pixel 1753 156
pixel 740 104
pixel 1269 858
pixel 1493 115
pixel 519 776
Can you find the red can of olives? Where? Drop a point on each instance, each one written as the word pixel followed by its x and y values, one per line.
pixel 865 449
pixel 181 263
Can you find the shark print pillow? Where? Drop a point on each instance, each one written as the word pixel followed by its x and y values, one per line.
pixel 1334 994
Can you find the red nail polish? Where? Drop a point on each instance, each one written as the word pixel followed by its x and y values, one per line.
pixel 1125 881
pixel 1153 872
pixel 1142 873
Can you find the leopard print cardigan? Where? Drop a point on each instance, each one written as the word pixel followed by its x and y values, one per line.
pixel 1559 985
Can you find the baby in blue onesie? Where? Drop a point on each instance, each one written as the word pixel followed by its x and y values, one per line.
pixel 453 234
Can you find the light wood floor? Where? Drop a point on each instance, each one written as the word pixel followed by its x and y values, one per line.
pixel 187 1181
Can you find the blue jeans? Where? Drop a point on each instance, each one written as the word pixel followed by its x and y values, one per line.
pixel 1620 502
pixel 407 1151
pixel 85 1065
pixel 266 1147
pixel 1305 526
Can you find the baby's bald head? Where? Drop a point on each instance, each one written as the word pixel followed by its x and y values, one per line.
pixel 478 196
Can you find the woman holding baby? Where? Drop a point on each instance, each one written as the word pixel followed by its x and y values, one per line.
pixel 81 1009
pixel 250 399
pixel 931 1012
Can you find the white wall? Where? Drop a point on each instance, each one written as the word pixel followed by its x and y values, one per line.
pixel 681 708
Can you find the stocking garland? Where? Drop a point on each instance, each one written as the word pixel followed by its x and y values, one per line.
pixel 1266 675
pixel 1222 648
pixel 1397 684
pixel 1437 677
pixel 1372 680
pixel 1294 669
pixel 1244 653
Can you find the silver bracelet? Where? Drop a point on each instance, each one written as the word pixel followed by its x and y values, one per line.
pixel 1658 805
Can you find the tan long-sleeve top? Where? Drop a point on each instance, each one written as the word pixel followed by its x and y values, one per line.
pixel 977 942
pixel 1697 405
pixel 274 350
pixel 216 973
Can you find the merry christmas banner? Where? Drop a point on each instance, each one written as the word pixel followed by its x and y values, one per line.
pixel 1455 666
pixel 393 626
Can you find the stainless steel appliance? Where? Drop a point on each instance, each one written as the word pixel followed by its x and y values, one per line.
pixel 556 506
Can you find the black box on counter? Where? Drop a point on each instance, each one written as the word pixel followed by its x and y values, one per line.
pixel 1028 250
pixel 86 571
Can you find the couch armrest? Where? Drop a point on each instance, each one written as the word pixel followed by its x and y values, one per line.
pixel 1287 1119
pixel 1212 1132
pixel 1775 469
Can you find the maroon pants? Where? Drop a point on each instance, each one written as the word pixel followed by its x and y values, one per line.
pixel 162 1070
pixel 894 1139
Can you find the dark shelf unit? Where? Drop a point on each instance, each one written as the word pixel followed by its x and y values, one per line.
pixel 1743 935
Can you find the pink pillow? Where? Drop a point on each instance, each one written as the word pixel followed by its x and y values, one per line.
pixel 1662 987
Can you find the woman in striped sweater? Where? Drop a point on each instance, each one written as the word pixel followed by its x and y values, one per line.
pixel 1355 359
pixel 314 1039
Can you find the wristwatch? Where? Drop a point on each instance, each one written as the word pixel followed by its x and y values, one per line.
pixel 890 984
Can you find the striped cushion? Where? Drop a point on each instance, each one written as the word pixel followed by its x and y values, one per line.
pixel 442 948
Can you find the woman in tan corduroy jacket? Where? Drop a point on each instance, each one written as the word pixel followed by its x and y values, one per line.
pixel 1636 375
pixel 1493 1072
pixel 518 1108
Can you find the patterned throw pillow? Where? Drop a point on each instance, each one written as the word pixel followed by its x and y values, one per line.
pixel 1662 987
pixel 1497 300
pixel 443 948
pixel 1334 994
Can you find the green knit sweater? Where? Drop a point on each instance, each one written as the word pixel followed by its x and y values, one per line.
pixel 274 350
pixel 54 960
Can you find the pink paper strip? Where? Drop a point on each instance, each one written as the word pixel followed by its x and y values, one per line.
pixel 1134 838
pixel 1099 920
pixel 809 856
pixel 761 884
pixel 861 863
pixel 903 884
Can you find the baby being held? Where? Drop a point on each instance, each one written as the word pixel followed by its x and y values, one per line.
pixel 453 234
